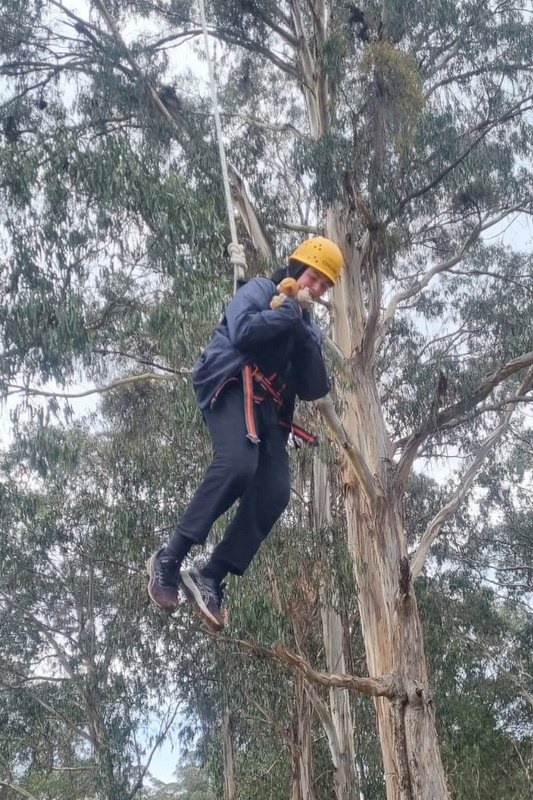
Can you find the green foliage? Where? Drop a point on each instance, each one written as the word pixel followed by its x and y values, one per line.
pixel 192 784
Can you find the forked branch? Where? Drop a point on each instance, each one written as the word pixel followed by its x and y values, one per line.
pixel 435 526
pixel 447 417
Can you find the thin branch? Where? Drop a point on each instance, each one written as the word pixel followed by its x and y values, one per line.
pixel 285 127
pixel 152 94
pixel 444 266
pixel 254 47
pixel 147 376
pixel 483 129
pixel 138 359
pixel 159 739
pixel 70 725
pixel 526 694
pixel 422 282
pixel 18 789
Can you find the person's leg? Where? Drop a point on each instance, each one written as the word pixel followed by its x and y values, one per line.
pixel 260 507
pixel 233 466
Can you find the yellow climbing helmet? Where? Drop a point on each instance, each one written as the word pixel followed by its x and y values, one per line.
pixel 321 254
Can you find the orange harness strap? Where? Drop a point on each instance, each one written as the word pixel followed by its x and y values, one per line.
pixel 251 373
pixel 249 416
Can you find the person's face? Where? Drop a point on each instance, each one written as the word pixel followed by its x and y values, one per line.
pixel 313 280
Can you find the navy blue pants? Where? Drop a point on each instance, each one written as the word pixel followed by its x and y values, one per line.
pixel 255 474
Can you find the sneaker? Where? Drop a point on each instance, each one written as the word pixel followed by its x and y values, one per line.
pixel 163 584
pixel 205 595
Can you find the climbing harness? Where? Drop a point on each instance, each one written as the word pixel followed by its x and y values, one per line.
pixel 253 378
pixel 235 250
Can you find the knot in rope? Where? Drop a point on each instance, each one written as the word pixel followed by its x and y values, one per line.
pixel 238 260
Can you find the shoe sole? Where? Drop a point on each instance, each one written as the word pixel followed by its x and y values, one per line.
pixel 193 594
pixel 151 575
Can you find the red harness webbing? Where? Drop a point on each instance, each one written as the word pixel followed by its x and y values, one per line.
pixel 251 373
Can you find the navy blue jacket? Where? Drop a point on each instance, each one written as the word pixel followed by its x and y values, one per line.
pixel 281 340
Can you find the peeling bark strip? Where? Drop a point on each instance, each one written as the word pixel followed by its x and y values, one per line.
pixel 400 743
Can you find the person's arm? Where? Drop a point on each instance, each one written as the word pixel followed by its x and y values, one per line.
pixel 250 319
pixel 311 381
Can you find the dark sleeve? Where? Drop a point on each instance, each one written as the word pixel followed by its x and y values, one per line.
pixel 252 322
pixel 311 381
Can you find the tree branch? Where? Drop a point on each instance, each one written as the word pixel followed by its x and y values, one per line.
pixel 444 266
pixel 159 739
pixel 18 789
pixel 147 376
pixel 152 94
pixel 526 694
pixel 326 719
pixel 448 414
pixel 434 527
pixel 384 686
pixel 483 128
pixel 254 47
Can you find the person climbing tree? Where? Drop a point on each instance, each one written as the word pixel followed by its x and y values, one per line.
pixel 264 353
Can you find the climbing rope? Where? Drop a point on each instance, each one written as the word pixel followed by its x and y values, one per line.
pixel 235 250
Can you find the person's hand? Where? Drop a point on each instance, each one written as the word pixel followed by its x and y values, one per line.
pixel 277 300
pixel 287 288
pixel 304 299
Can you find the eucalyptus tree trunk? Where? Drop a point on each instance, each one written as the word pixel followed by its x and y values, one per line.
pixel 227 750
pixel 390 621
pixel 378 546
pixel 338 723
pixel 302 741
